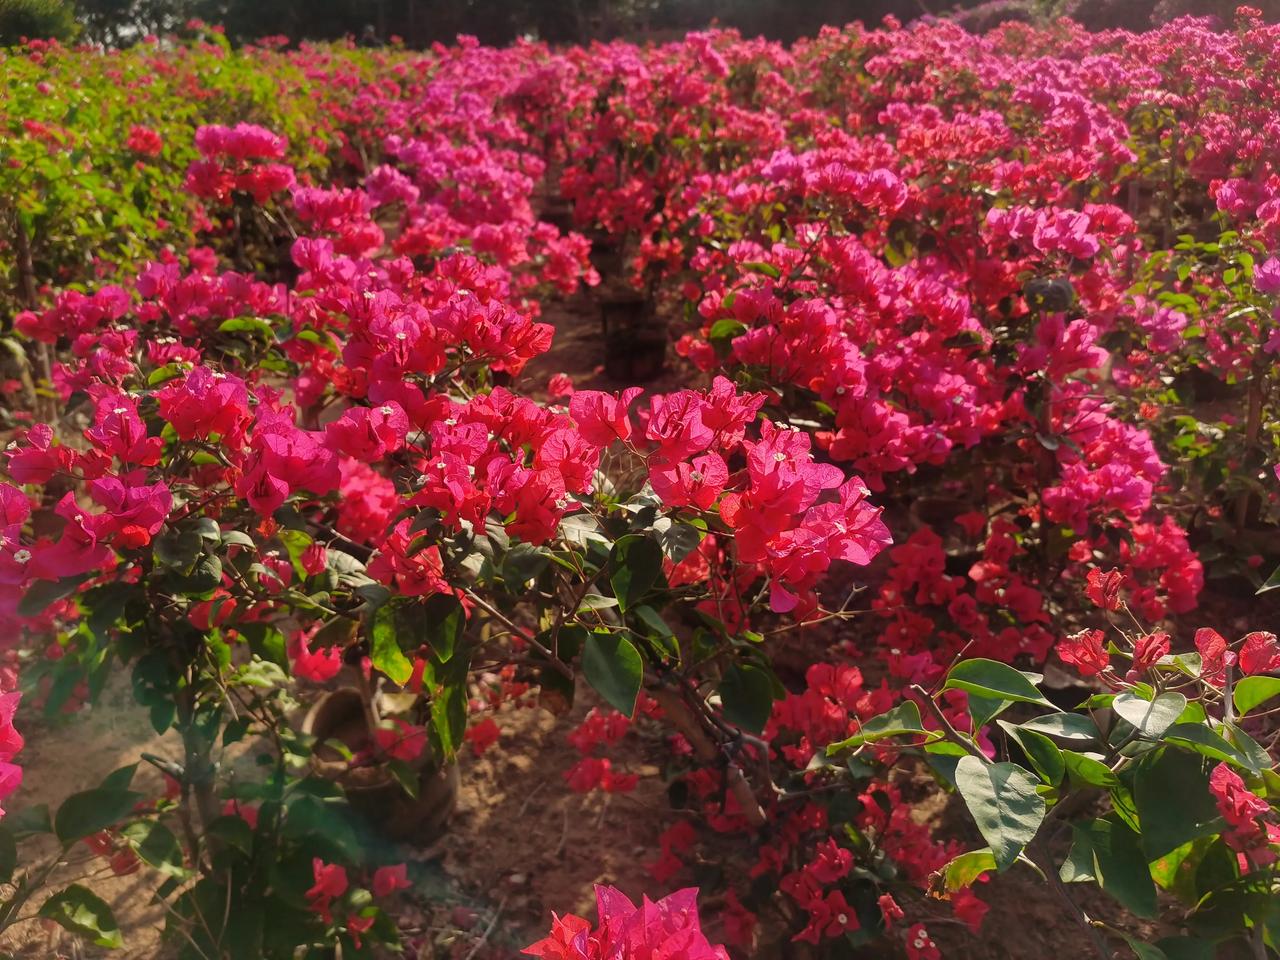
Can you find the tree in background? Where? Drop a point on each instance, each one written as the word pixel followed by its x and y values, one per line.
pixel 499 22
pixel 36 18
pixel 121 22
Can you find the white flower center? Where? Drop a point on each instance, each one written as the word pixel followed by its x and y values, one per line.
pixel 779 457
pixel 386 411
pixel 402 335
pixel 22 556
pixel 843 919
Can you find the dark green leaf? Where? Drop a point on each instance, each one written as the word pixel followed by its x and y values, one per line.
pixel 43 593
pixel 1187 948
pixel 29 821
pixel 992 679
pixel 1144 951
pixel 1040 750
pixel 445 622
pixel 1118 864
pixel 84 814
pixel 1198 737
pixel 613 666
pixel 1171 793
pixel 8 854
pixel 901 720
pixel 635 564
pixel 746 694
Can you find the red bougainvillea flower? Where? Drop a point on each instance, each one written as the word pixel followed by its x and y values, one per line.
pixel 387 880
pixel 483 735
pixel 317 666
pixel 1260 653
pixel 1086 651
pixel 921 946
pixel 1149 648
pixel 1104 588
pixel 330 883
pixel 401 740
pixel 1215 656
pixel 666 930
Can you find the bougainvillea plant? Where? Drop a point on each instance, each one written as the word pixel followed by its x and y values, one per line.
pixel 977 338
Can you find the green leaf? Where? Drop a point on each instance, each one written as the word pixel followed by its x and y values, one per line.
pixel 636 563
pixel 985 709
pixel 445 622
pixel 1040 750
pixel 1187 948
pixel 43 593
pixel 1003 801
pixel 254 325
pixel 613 666
pixel 80 911
pixel 1251 692
pixel 1198 737
pixel 1273 581
pixel 156 844
pixel 902 719
pixel 726 328
pixel 84 814
pixel 384 648
pixel 449 717
pixel 1064 726
pixel 1150 718
pixel 594 601
pixel 1171 793
pixel 119 779
pixel 995 680
pixel 1144 951
pixel 756 266
pixel 965 870
pixel 8 854
pixel 29 821
pixel 1086 770
pixel 1117 864
pixel 746 695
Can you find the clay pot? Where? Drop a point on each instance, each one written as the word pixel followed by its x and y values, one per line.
pixel 606 254
pixel 635 341
pixel 559 214
pixel 373 791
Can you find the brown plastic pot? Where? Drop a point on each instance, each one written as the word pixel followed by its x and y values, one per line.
pixel 635 340
pixel 372 790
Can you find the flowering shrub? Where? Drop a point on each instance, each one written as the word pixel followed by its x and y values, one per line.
pixel 976 329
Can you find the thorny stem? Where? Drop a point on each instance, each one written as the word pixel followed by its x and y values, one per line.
pixel 506 621
pixel 948 731
pixel 1082 919
pixel 677 711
